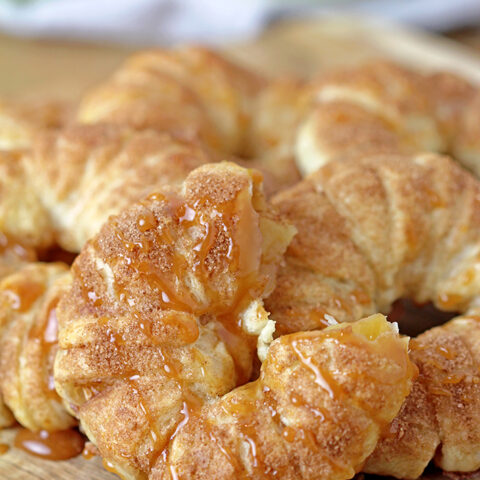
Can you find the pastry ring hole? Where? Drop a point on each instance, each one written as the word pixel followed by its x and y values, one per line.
pixel 414 319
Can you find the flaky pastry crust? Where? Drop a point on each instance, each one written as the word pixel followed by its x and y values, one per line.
pixel 166 310
pixel 382 107
pixel 28 343
pixel 377 229
pixel 95 171
pixel 20 121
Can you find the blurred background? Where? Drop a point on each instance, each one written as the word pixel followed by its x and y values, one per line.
pixel 62 46
pixel 211 21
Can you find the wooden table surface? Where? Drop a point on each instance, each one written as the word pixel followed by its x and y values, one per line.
pixel 29 68
pixel 58 69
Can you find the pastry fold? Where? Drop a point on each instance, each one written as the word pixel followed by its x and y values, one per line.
pixel 382 107
pixel 166 309
pixel 28 345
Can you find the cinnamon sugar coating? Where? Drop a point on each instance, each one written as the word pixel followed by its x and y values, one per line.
pixel 28 343
pixel 165 310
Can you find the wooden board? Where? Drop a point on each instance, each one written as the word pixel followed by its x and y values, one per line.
pixel 31 68
pixel 18 465
pixel 47 68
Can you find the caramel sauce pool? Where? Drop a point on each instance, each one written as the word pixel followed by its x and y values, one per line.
pixel 60 445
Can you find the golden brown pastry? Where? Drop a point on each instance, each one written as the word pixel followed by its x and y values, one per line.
pixel 163 319
pixel 94 171
pixel 376 229
pixel 371 231
pixel 382 107
pixel 22 215
pixel 440 417
pixel 315 412
pixel 195 93
pixel 28 342
pixel 21 120
pixel 188 91
pixel 166 310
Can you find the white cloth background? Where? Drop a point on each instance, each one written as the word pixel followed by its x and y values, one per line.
pixel 209 21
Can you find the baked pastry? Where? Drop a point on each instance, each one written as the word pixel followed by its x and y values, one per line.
pixel 188 91
pixel 381 107
pixel 97 170
pixel 318 407
pixel 197 94
pixel 440 418
pixel 164 317
pixel 166 308
pixel 371 231
pixel 28 339
pixel 23 218
pixel 21 120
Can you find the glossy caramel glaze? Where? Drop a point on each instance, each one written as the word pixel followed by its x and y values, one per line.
pixel 165 311
pixel 59 445
pixel 320 403
pixel 28 340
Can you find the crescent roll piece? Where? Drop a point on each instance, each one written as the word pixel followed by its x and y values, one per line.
pixel 317 409
pixel 20 121
pixel 28 344
pixel 440 418
pixel 189 91
pixel 97 170
pixel 377 229
pixel 381 107
pixel 165 311
pixel 22 215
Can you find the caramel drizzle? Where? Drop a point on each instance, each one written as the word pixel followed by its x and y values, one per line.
pixel 323 378
pixel 23 294
pixel 46 334
pixel 60 445
pixel 9 244
pixel 242 236
pixel 236 222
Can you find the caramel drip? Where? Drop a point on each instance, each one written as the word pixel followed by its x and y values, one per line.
pixel 89 451
pixel 235 222
pixel 24 294
pixel 321 377
pixel 60 445
pixel 190 403
pixel 9 244
pixel 46 334
pixel 306 436
pixel 446 352
pixel 454 378
pixel 449 301
pixel 109 467
pixel 343 337
pixel 232 227
pixel 243 411
pixel 299 401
